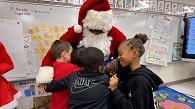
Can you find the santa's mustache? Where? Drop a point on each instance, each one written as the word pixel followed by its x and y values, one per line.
pixel 101 41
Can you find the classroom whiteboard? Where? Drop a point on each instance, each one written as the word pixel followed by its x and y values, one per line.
pixel 14 47
pixel 53 17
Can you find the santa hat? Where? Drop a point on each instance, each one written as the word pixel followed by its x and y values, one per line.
pixel 96 15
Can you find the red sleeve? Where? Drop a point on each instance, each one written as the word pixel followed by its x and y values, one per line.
pixel 117 38
pixel 70 36
pixel 6 63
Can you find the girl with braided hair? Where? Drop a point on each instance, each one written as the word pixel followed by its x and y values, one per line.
pixel 140 82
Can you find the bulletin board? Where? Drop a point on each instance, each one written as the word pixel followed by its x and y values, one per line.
pixel 44 23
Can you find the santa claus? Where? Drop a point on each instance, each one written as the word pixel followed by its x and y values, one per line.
pixel 8 93
pixel 94 29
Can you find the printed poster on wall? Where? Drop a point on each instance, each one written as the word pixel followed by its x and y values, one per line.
pixel 180 8
pixel 82 1
pixel 158 48
pixel 161 6
pixel 177 52
pixel 168 7
pixel 119 4
pixel 151 21
pixel 62 1
pixel 153 5
pixel 128 4
pixel 163 24
pixel 191 13
pixel 77 2
pixel 174 8
pixel 14 47
pixel 185 8
pixel 137 4
pixel 111 2
pixel 71 1
pixel 27 88
pixel 145 5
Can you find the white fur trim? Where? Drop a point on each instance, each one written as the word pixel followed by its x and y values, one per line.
pixel 45 75
pixel 13 103
pixel 18 95
pixel 98 20
pixel 78 28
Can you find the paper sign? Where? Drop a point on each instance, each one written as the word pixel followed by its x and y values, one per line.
pixel 50 28
pixel 51 36
pixel 47 49
pixel 111 2
pixel 34 37
pixel 27 38
pixel 61 28
pixel 42 49
pixel 46 42
pixel 161 6
pixel 42 55
pixel 57 35
pixel 39 37
pixel 36 28
pixel 40 44
pixel 46 35
pixel 151 21
pixel 56 29
pixel 30 31
pixel 37 50
pixel 174 8
pixel 128 4
pixel 51 41
pixel 167 7
pixel 44 27
pixel 119 4
pixel 153 5
pixel 27 46
pixel 180 8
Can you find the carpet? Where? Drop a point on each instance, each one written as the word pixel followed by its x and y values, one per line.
pixel 171 99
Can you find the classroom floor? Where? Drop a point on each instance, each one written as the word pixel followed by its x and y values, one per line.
pixel 187 88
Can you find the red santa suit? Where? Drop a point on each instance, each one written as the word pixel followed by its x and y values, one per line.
pixel 95 15
pixel 8 93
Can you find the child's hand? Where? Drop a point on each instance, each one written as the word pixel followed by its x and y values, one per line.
pixel 113 82
pixel 111 73
pixel 45 86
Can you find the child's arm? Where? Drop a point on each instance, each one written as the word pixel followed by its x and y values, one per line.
pixel 138 97
pixel 59 85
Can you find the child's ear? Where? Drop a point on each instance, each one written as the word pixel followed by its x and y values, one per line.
pixel 135 53
pixel 63 54
pixel 100 68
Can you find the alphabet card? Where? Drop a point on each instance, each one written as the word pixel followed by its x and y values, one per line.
pixel 153 5
pixel 161 6
pixel 174 8
pixel 128 4
pixel 119 4
pixel 36 28
pixel 168 7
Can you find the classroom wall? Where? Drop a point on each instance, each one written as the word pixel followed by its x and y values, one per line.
pixel 175 71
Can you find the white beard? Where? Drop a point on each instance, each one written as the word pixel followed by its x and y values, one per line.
pixel 101 41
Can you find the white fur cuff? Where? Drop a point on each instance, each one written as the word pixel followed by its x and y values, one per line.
pixel 45 75
pixel 78 28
